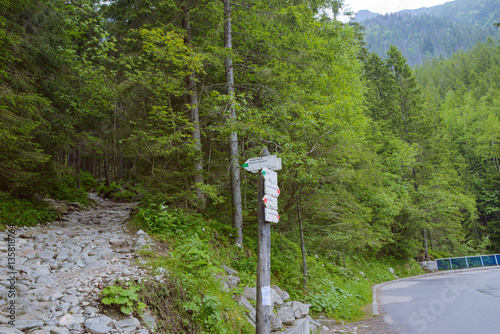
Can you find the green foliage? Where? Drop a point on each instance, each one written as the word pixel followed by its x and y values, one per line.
pixel 126 299
pixel 64 188
pixel 116 191
pixel 23 212
pixel 88 181
pixel 438 31
pixel 326 297
pixel 194 258
pixel 159 219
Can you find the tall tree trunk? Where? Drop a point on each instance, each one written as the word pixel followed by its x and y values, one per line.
pixel 302 244
pixel 233 143
pixel 106 169
pixel 424 230
pixel 194 114
pixel 426 252
pixel 78 163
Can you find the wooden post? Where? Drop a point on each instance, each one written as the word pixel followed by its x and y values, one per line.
pixel 267 212
pixel 263 321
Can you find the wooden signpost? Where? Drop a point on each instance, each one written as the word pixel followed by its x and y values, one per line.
pixel 268 194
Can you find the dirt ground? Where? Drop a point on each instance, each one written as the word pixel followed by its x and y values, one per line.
pixel 372 325
pixel 369 325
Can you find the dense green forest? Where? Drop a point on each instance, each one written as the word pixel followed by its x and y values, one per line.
pixel 163 101
pixel 425 33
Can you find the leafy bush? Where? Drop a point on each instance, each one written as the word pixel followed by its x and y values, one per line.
pixel 158 219
pixel 23 212
pixel 195 254
pixel 108 191
pixel 64 188
pixel 126 299
pixel 115 191
pixel 88 181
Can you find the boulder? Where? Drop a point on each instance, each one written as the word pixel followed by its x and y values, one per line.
pixel 275 298
pixel 285 314
pixel 60 208
pixel 299 310
pixel 242 301
pixel 229 271
pixel 276 324
pixel 250 293
pixel 98 325
pixel 283 294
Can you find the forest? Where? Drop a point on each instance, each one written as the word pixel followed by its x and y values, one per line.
pixel 162 102
pixel 438 31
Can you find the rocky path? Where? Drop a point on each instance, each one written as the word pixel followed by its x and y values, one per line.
pixel 52 282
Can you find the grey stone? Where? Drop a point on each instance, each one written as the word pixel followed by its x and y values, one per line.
pixel 71 299
pixel 250 293
pixel 57 330
pixel 229 271
pixel 97 265
pixel 62 256
pixel 299 310
pixel 28 324
pixel 276 323
pixel 42 270
pixel 6 329
pixel 283 294
pixel 285 314
pixel 56 295
pixel 429 266
pixel 275 298
pixel 128 323
pixel 38 291
pixel 46 255
pixel 314 322
pixel 69 322
pixel 98 325
pixel 90 310
pixel 40 331
pixel 149 320
pixel 116 242
pixel 242 301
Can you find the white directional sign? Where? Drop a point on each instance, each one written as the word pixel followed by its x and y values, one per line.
pixel 271 215
pixel 271 189
pixel 270 202
pixel 256 164
pixel 270 176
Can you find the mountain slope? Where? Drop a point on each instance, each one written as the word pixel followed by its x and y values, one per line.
pixel 437 31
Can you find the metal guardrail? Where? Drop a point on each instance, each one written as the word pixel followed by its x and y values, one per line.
pixel 468 262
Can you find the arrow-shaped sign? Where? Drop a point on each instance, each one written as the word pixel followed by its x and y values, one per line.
pixel 270 202
pixel 255 164
pixel 271 215
pixel 270 176
pixel 271 189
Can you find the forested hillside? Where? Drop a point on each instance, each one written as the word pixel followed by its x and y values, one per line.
pixel 466 91
pixel 162 101
pixel 436 31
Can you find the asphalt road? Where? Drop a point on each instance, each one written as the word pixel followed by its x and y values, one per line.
pixel 451 303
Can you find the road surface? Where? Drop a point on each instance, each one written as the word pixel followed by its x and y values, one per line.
pixel 464 302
